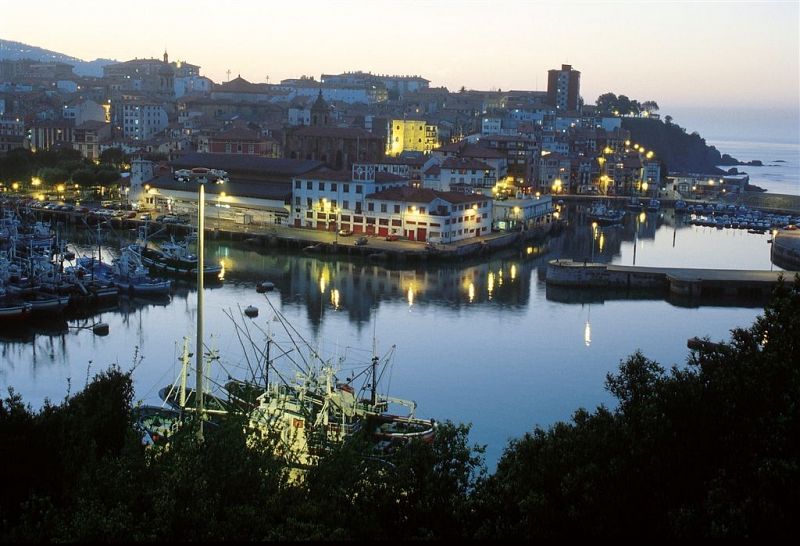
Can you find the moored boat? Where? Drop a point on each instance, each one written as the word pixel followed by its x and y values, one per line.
pixel 604 215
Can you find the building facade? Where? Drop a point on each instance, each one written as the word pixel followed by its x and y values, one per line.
pixel 563 88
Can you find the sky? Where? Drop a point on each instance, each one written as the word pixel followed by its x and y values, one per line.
pixel 683 55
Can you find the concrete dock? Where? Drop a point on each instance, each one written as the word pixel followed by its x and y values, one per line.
pixel 683 282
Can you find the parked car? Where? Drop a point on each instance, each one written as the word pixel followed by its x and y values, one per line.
pixel 345 233
pixel 392 237
pixel 170 219
pixel 362 241
pixel 146 216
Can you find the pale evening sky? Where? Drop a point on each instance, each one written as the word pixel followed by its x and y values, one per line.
pixel 733 54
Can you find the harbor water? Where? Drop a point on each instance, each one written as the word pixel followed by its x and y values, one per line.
pixel 484 342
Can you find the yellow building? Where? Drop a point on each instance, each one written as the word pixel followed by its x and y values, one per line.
pixel 410 135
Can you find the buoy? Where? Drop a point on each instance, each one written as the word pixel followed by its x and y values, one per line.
pixel 264 286
pixel 251 311
pixel 100 329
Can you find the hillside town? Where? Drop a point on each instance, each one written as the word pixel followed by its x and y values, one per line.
pixel 357 152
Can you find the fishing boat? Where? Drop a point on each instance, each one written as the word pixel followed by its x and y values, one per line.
pixel 299 402
pixel 605 215
pixel 174 258
pixel 634 203
pixel 12 309
pixel 128 274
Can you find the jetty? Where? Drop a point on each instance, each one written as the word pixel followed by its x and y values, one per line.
pixel 681 282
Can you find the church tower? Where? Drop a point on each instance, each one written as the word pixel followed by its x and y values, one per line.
pixel 320 112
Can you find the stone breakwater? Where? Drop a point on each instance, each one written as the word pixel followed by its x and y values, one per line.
pixel 785 250
pixel 771 202
pixel 684 282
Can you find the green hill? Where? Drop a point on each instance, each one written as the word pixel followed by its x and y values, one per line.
pixel 681 152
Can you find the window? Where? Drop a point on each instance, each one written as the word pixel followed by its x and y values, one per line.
pixel 359 188
pixel 397 209
pixel 309 203
pixel 384 207
pixel 371 206
pixel 297 184
pixel 321 186
pixel 297 201
pixel 346 188
pixel 346 204
pixel 309 185
pixel 333 186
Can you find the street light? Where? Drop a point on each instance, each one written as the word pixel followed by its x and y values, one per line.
pixel 594 236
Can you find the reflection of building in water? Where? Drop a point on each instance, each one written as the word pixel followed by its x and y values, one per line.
pixel 357 286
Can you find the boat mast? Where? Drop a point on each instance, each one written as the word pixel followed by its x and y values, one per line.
pixel 374 397
pixel 184 370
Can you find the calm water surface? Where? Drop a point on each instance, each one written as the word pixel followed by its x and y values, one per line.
pixel 483 343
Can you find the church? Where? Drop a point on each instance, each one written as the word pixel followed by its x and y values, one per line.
pixel 337 147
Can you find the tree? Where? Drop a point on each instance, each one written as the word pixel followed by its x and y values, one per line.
pixel 53 175
pixel 16 166
pixel 606 102
pixel 113 156
pixel 650 106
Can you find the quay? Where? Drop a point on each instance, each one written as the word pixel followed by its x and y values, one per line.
pixel 376 249
pixel 680 282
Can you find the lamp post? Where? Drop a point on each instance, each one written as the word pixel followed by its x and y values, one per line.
pixel 336 225
pixel 594 235
pixel 201 176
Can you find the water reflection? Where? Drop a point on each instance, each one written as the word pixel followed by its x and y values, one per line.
pixel 528 344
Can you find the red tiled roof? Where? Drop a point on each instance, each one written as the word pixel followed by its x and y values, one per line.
pixel 465 163
pixel 327 174
pixel 335 132
pixel 424 195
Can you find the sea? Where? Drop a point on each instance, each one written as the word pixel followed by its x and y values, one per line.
pixel 484 342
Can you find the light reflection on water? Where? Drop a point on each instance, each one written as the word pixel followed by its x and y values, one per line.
pixel 483 342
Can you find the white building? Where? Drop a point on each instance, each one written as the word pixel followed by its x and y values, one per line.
pixel 323 198
pixel 525 213
pixel 421 214
pixel 141 120
pixel 460 175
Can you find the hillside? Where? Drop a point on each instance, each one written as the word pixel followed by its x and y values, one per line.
pixel 10 50
pixel 681 152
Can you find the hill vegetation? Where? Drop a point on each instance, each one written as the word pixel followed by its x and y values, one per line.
pixel 708 449
pixel 678 151
pixel 681 152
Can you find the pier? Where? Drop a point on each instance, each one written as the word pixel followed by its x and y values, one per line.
pixel 679 282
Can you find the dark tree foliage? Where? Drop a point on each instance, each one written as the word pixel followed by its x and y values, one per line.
pixel 114 157
pixel 680 151
pixel 16 165
pixel 705 450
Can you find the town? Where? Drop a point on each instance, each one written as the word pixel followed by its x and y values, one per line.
pixel 386 156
